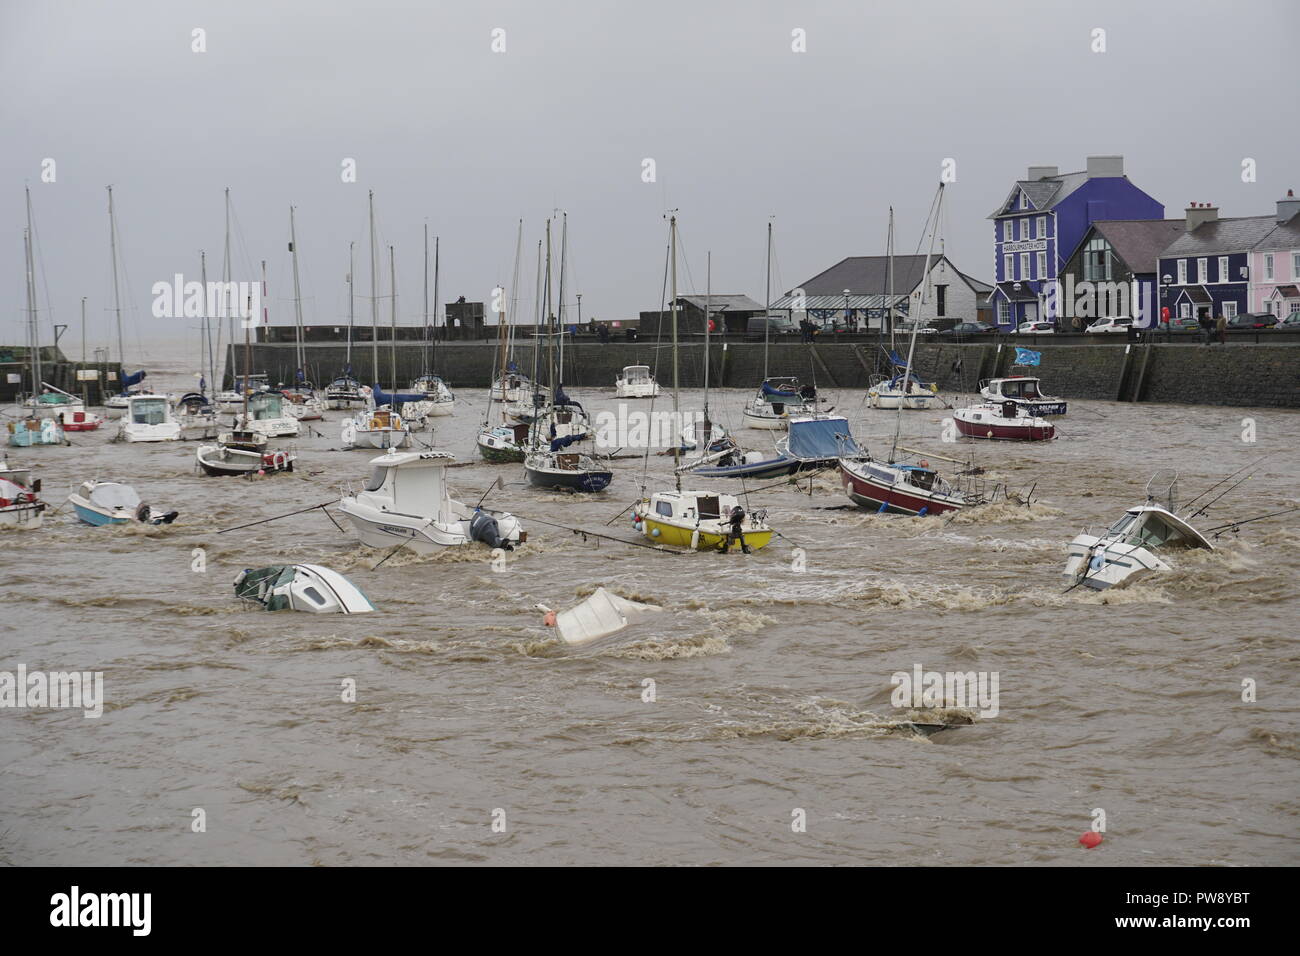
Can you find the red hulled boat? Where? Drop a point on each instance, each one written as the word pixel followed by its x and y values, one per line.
pixel 1007 421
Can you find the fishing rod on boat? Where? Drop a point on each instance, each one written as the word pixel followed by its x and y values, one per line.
pixel 584 532
pixel 322 506
pixel 1222 481
pixel 1233 525
pixel 495 486
pixel 1232 487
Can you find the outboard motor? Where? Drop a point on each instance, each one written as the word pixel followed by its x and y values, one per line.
pixel 1008 409
pixel 808 393
pixel 483 527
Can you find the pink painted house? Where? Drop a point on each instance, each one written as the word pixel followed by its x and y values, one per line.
pixel 1275 263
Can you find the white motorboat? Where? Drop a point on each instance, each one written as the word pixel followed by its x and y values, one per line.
pixel 1025 391
pixel 777 401
pixel 636 382
pixel 267 415
pixel 20 503
pixel 1131 548
pixel 301 587
pixel 406 501
pixel 1002 421
pixel 148 418
pixel 102 503
pixel 380 428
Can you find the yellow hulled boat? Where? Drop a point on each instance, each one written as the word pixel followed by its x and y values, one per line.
pixel 697 521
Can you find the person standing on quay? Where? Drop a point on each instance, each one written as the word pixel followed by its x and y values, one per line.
pixel 1221 326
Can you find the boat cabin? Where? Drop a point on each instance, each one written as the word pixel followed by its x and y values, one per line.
pixel 147 410
pixel 413 483
pixel 687 506
pixel 1019 386
pixel 266 406
pixel 637 375
pixel 1153 527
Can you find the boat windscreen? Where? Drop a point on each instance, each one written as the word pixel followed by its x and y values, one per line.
pixel 1156 532
pixel 707 506
pixel 149 411
pixel 377 478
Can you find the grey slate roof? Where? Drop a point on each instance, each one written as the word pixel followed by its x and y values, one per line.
pixel 1139 242
pixel 1221 236
pixel 723 303
pixel 869 275
pixel 1283 236
pixel 1012 294
pixel 1043 193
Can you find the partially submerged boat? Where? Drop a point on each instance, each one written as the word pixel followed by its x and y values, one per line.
pixel 406 501
pixel 636 382
pixel 20 503
pixel 504 443
pixel 1133 546
pixel 600 615
pixel 886 487
pixel 1025 391
pixel 1002 421
pixel 811 444
pixel 301 587
pixel 102 503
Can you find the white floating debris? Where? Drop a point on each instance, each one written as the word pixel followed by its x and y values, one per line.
pixel 599 616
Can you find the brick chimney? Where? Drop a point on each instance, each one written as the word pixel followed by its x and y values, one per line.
pixel 1042 172
pixel 1198 213
pixel 1101 167
pixel 1288 207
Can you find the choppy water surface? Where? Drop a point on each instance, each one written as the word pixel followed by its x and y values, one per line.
pixel 773 686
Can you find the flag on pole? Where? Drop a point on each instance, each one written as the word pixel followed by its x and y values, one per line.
pixel 1027 357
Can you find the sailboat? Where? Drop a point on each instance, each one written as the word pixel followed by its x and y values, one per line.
pixel 301 401
pixel 439 400
pixel 695 519
pixel 195 413
pixel 345 392
pixel 117 404
pixel 779 398
pixel 891 486
pixel 500 440
pixel 561 423
pixel 243 451
pixel 902 387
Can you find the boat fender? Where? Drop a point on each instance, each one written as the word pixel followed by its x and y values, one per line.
pixel 695 540
pixel 924 509
pixel 881 509
pixel 654 532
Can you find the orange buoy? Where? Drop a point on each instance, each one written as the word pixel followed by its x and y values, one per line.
pixel 549 619
pixel 1091 839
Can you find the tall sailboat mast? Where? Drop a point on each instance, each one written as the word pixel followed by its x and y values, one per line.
pixel 767 304
pixel 890 243
pixel 424 359
pixel 297 303
pixel 433 349
pixel 392 341
pixel 708 307
pixel 672 306
pixel 227 268
pixel 351 306
pixel 916 321
pixel 34 326
pixel 117 295
pixel 203 326
pixel 374 298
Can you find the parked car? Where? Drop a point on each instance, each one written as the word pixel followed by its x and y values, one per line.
pixel 1184 323
pixel 1112 323
pixel 1249 321
pixel 776 325
pixel 1290 324
pixel 965 329
pixel 1034 328
pixel 905 328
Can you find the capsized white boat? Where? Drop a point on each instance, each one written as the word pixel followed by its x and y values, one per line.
pixel 599 616
pixel 1131 548
pixel 111 502
pixel 407 501
pixel 148 418
pixel 301 587
pixel 636 382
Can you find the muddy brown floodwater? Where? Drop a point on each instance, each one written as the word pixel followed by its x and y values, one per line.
pixel 771 685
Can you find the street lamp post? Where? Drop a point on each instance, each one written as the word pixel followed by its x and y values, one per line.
pixel 847 320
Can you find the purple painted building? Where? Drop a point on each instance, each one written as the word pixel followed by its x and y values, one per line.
pixel 1042 221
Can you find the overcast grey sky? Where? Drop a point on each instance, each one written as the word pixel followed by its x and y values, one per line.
pixel 740 127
